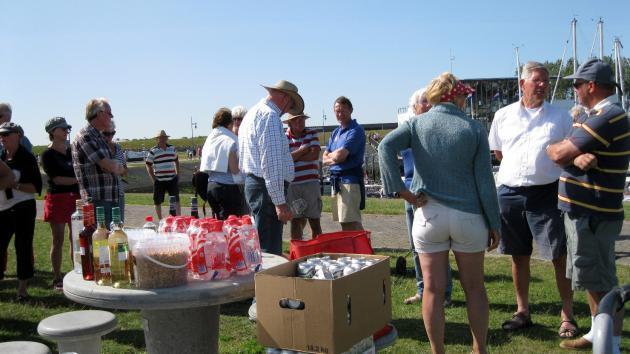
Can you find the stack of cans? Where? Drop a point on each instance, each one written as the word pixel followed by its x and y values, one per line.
pixel 326 268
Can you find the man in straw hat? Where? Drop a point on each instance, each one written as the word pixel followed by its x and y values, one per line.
pixel 163 168
pixel 594 158
pixel 266 162
pixel 93 162
pixel 304 195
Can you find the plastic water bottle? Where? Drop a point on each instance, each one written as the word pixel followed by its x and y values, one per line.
pixel 166 225
pixel 251 244
pixel 198 252
pixel 216 251
pixel 235 246
pixel 149 224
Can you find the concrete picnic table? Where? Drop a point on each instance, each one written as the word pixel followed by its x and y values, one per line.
pixel 183 319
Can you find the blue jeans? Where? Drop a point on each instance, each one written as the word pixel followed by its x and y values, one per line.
pixel 416 258
pixel 264 212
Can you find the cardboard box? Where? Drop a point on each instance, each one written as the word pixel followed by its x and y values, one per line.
pixel 336 314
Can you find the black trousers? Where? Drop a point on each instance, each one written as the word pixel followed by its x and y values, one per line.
pixel 225 200
pixel 19 220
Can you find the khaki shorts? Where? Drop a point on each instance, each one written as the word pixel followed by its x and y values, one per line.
pixel 438 228
pixel 305 200
pixel 345 204
pixel 591 252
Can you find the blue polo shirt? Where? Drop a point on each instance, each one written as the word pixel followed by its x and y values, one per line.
pixel 352 139
pixel 598 191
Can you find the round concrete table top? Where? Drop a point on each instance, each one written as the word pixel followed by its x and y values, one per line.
pixel 193 294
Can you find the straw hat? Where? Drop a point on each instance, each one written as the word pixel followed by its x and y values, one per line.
pixel 161 134
pixel 293 116
pixel 291 90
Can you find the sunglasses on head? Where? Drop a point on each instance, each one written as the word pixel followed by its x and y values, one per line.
pixel 109 133
pixel 5 134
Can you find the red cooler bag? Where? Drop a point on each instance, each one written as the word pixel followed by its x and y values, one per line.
pixel 335 242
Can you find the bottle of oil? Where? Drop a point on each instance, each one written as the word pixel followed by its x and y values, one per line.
pixel 120 258
pixel 85 241
pixel 102 271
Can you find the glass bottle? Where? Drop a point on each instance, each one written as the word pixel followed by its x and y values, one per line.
pixel 85 242
pixel 102 271
pixel 120 258
pixel 172 205
pixel 194 208
pixel 76 225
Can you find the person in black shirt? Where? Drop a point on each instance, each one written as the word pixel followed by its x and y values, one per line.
pixel 63 191
pixel 17 204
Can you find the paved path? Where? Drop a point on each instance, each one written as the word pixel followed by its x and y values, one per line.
pixel 388 231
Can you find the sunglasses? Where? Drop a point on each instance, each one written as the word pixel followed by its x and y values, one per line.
pixel 109 133
pixel 577 84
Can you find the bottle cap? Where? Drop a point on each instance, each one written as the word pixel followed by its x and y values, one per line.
pixel 148 218
pixel 100 215
pixel 116 215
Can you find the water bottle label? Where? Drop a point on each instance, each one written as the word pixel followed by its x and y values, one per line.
pixel 82 251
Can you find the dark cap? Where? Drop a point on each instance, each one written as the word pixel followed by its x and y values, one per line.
pixel 56 122
pixel 594 70
pixel 10 127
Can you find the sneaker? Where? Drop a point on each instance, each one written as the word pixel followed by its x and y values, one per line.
pixel 57 284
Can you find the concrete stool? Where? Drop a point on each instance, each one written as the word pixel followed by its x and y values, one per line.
pixel 20 347
pixel 78 331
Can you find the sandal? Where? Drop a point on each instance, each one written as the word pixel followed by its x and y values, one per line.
pixel 58 284
pixel 412 299
pixel 568 331
pixel 518 321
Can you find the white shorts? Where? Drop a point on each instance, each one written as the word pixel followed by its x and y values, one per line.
pixel 438 228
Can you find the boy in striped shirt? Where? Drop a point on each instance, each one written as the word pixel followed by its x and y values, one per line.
pixel 304 193
pixel 163 168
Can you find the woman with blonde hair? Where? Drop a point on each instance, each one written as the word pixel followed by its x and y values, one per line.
pixel 453 189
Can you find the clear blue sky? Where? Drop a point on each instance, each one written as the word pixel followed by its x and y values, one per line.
pixel 160 63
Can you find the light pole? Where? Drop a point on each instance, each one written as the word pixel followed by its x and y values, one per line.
pixel 324 126
pixel 193 125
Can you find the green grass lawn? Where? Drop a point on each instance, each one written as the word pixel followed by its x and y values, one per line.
pixel 18 321
pixel 372 205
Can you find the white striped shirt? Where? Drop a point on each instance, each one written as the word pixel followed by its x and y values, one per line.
pixel 163 162
pixel 305 171
pixel 264 149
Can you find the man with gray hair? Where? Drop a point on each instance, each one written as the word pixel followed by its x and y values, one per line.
pixel 528 184
pixel 238 113
pixel 6 112
pixel 94 163
pixel 266 162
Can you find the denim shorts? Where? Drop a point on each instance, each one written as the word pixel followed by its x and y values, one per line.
pixel 531 214
pixel 591 252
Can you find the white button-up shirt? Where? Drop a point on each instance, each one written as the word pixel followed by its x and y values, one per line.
pixel 264 149
pixel 522 136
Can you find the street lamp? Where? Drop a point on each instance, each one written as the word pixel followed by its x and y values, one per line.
pixel 193 125
pixel 324 126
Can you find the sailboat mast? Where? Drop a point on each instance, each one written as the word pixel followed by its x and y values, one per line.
pixel 518 72
pixel 575 62
pixel 600 27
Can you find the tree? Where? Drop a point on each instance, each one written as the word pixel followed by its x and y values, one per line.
pixel 564 89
